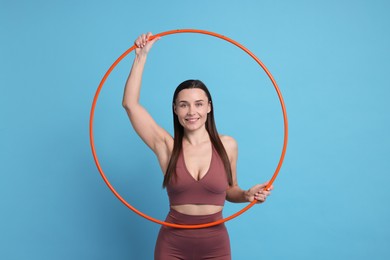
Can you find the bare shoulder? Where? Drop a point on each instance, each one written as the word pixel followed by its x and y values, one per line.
pixel 229 143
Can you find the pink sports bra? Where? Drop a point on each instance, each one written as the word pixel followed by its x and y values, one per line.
pixel 210 190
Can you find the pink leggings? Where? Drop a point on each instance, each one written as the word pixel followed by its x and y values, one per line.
pixel 192 244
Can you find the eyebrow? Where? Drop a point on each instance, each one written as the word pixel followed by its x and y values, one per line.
pixel 185 101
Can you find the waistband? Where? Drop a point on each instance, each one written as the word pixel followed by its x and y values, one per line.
pixel 181 218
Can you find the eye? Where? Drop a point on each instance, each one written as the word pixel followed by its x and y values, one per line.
pixel 183 105
pixel 199 104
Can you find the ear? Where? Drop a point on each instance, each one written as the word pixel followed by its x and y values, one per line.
pixel 174 108
pixel 209 107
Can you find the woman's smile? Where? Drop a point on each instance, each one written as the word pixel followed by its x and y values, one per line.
pixel 192 119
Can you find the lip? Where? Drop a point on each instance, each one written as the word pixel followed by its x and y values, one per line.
pixel 192 119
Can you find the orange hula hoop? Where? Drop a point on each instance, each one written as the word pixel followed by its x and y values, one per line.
pixel 143 214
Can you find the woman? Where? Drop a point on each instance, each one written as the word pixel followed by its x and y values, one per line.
pixel 199 166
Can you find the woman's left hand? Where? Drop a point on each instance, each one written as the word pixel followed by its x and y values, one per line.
pixel 259 192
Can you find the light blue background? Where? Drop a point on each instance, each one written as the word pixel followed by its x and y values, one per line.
pixel 330 59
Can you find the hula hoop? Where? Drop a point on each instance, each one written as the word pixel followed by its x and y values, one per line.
pixel 143 214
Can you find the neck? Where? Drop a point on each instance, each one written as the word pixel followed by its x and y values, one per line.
pixel 196 137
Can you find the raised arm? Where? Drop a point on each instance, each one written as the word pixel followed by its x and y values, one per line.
pixel 150 132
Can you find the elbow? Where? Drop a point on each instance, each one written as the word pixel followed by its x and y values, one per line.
pixel 228 197
pixel 128 104
pixel 125 105
pixel 130 107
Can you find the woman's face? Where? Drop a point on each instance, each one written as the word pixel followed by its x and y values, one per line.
pixel 191 108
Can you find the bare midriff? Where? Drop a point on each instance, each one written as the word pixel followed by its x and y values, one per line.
pixel 192 209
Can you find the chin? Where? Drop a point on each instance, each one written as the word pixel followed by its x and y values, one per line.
pixel 193 127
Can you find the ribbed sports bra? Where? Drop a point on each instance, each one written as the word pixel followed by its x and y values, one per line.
pixel 210 190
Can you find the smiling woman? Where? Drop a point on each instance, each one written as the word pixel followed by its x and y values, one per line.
pixel 198 164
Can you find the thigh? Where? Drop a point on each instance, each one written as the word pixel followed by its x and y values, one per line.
pixel 216 245
pixel 169 246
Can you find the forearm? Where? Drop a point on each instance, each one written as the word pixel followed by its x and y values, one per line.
pixel 236 194
pixel 133 84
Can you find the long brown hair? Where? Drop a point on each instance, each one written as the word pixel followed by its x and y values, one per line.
pixel 179 133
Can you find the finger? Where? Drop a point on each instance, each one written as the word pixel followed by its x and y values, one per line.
pixel 261 198
pixel 262 194
pixel 271 187
pixel 259 194
pixel 267 193
pixel 266 186
pixel 149 38
pixel 140 41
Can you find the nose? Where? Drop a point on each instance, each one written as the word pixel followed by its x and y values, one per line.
pixel 191 110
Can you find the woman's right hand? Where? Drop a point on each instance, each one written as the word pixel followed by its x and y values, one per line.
pixel 144 44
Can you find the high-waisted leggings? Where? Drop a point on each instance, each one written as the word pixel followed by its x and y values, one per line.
pixel 192 244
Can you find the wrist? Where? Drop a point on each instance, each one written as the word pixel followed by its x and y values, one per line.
pixel 141 56
pixel 247 196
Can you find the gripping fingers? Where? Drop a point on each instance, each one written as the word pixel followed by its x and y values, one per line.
pixel 261 195
pixel 141 41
